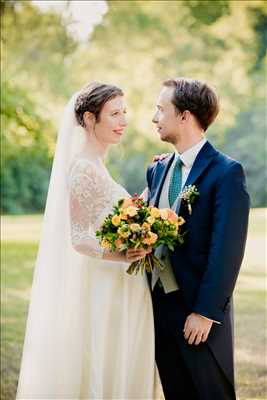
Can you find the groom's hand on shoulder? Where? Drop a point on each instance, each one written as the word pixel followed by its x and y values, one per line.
pixel 197 328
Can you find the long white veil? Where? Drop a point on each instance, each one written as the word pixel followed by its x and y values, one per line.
pixel 54 326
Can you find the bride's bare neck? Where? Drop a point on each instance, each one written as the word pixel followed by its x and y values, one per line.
pixel 94 148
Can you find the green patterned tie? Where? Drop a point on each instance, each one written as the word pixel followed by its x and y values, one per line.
pixel 175 182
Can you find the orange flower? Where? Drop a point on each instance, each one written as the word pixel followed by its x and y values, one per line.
pixel 123 215
pixel 172 217
pixel 146 226
pixel 127 203
pixel 118 243
pixel 151 238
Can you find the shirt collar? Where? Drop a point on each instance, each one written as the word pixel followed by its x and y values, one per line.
pixel 188 157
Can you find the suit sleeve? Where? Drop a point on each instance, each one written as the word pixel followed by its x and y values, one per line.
pixel 230 223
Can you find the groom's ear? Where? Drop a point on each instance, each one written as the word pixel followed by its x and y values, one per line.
pixel 89 119
pixel 185 115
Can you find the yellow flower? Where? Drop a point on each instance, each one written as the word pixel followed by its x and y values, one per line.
pixel 155 212
pixel 135 227
pixel 105 244
pixel 164 213
pixel 180 221
pixel 151 238
pixel 124 233
pixel 116 220
pixel 146 226
pixel 150 220
pixel 131 211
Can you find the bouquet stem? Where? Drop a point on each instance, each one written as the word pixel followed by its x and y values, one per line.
pixel 147 263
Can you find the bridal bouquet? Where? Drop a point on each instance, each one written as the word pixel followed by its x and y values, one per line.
pixel 134 224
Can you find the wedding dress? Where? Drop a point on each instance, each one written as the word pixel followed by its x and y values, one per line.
pixel 90 330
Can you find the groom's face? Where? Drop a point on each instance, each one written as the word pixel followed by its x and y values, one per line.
pixel 166 118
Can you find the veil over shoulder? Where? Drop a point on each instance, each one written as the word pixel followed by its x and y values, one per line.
pixel 54 322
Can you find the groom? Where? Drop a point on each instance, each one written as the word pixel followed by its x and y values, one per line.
pixel 192 296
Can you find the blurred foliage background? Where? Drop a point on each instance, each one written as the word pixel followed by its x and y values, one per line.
pixel 137 45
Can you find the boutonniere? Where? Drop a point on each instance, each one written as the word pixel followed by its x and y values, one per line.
pixel 189 195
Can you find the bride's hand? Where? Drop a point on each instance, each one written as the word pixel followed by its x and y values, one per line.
pixel 129 256
pixel 133 255
pixel 160 157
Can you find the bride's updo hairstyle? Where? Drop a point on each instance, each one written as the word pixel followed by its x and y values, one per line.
pixel 92 98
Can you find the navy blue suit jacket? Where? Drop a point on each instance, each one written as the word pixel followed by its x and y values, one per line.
pixel 206 266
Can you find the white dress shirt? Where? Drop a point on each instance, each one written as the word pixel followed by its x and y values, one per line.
pixel 188 158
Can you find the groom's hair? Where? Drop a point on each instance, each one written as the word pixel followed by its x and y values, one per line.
pixel 196 97
pixel 92 98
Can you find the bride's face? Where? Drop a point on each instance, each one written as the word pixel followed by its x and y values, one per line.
pixel 110 127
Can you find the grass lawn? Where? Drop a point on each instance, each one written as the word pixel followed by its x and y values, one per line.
pixel 20 235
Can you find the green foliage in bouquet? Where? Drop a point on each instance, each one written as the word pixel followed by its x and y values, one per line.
pixel 134 224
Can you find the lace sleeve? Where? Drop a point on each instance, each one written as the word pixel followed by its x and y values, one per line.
pixel 88 197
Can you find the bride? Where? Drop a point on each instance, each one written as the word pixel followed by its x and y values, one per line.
pixel 90 330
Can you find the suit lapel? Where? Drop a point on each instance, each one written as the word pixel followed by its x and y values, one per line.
pixel 201 162
pixel 162 170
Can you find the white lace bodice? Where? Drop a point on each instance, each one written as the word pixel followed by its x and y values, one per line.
pixel 93 194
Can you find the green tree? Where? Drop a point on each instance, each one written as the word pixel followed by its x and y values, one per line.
pixel 221 44
pixel 36 79
pixel 137 46
pixel 27 146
